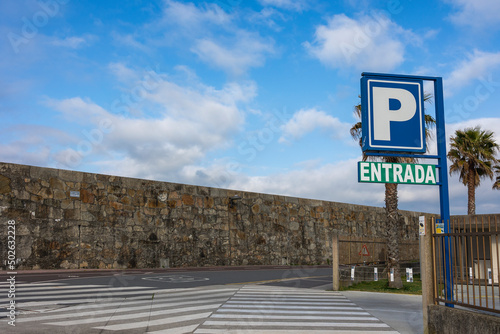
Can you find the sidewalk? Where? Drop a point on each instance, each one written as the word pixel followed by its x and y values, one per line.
pixel 401 312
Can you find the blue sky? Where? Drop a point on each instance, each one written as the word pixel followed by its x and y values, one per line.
pixel 247 95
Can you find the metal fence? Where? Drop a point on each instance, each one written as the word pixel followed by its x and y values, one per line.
pixel 466 263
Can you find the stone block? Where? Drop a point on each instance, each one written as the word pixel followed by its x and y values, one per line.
pixel 215 192
pixel 72 214
pixel 294 226
pixel 87 216
pixel 22 229
pixel 67 175
pixel 56 183
pixel 116 206
pixel 131 183
pixel 187 199
pixel 42 173
pixel 45 193
pixel 67 204
pixel 209 202
pixel 150 212
pixel 89 178
pixel 5 185
pixel 33 187
pixel 154 203
pixel 23 195
pixel 202 191
pixel 60 195
pixel 114 189
pixel 87 196
pixel 55 213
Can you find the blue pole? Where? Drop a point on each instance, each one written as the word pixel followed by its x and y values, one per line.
pixel 444 197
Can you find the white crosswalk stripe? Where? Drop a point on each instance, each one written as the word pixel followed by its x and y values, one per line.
pixel 218 309
pixel 115 309
pixel 265 309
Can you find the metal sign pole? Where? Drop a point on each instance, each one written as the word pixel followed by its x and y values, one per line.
pixel 441 146
pixel 444 197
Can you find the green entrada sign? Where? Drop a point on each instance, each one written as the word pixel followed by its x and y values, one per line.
pixel 384 172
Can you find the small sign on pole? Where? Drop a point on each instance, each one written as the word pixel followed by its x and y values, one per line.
pixel 364 251
pixel 409 274
pixel 421 225
pixel 393 117
pixel 352 273
pixel 375 274
pixel 440 228
pixel 385 172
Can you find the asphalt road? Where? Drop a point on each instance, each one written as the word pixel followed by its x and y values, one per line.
pixel 297 276
pixel 211 294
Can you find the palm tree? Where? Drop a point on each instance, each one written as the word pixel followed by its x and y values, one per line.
pixel 496 185
pixel 472 153
pixel 391 197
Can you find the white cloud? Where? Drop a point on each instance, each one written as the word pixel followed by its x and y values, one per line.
pixel 491 124
pixel 268 16
pixel 333 182
pixel 130 40
pixel 207 31
pixel 238 51
pixel 308 120
pixel 486 199
pixel 245 52
pixel 370 43
pixel 73 42
pixel 178 25
pixel 31 144
pixel 476 13
pixel 338 182
pixel 189 16
pixel 22 153
pixel 123 73
pixel 78 110
pixel 296 5
pixel 478 65
pixel 187 124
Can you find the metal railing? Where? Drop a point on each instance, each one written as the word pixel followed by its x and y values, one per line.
pixel 467 261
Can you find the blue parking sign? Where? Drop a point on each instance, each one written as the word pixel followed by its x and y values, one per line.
pixel 392 114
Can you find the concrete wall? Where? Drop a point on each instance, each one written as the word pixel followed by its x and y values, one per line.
pixel 446 320
pixel 67 219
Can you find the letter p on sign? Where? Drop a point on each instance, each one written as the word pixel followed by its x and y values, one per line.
pixel 392 114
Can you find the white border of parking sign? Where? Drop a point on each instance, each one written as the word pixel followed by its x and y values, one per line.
pixel 400 128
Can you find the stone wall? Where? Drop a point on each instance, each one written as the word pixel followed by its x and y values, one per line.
pixel 448 320
pixel 67 219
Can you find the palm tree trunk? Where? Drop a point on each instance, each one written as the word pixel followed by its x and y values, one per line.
pixel 471 189
pixel 391 209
